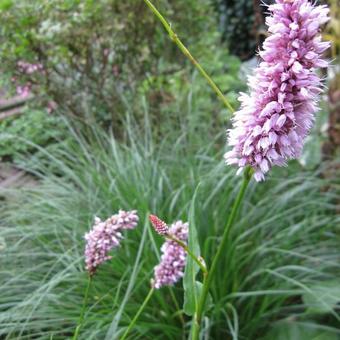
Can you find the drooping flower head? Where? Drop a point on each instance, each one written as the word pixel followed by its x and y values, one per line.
pixel 171 267
pixel 275 118
pixel 106 235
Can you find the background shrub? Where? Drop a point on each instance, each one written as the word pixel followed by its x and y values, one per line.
pixel 19 138
pixel 95 55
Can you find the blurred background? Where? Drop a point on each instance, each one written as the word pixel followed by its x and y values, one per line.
pixel 101 62
pixel 99 110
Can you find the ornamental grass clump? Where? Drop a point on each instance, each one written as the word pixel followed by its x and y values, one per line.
pixel 275 118
pixel 269 129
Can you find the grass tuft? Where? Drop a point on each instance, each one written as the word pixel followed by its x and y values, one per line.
pixel 285 241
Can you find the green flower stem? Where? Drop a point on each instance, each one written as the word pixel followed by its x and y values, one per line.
pixel 186 52
pixel 219 254
pixel 140 310
pixel 82 313
pixel 180 314
pixel 190 253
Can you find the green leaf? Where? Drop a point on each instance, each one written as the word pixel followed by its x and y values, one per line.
pixel 192 288
pixel 199 288
pixel 190 303
pixel 299 331
pixel 322 298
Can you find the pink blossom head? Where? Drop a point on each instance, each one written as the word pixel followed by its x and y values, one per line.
pixel 160 226
pixel 171 267
pixel 274 119
pixel 106 235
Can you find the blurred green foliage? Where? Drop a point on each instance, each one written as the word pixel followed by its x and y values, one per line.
pixel 312 152
pixel 20 136
pixel 183 99
pixel 96 55
pixel 299 331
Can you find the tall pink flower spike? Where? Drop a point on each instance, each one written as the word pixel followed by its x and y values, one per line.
pixel 275 118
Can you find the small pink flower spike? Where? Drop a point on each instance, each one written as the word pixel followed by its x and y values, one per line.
pixel 106 235
pixel 171 268
pixel 160 226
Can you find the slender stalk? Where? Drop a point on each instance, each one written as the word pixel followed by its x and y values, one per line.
pixel 186 52
pixel 82 313
pixel 190 253
pixel 219 254
pixel 180 314
pixel 140 310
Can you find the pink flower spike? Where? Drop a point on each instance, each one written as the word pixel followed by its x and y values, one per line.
pixel 106 235
pixel 275 118
pixel 160 226
pixel 171 268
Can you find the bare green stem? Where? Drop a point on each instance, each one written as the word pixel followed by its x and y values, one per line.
pixel 139 312
pixel 174 37
pixel 219 254
pixel 82 313
pixel 190 253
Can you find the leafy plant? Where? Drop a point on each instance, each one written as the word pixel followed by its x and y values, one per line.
pixel 268 268
pixel 271 262
pixel 33 126
pixel 93 55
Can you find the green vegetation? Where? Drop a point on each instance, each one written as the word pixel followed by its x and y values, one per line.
pixel 272 267
pixel 34 127
pixel 135 126
pixel 96 55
